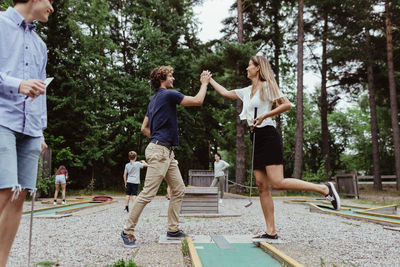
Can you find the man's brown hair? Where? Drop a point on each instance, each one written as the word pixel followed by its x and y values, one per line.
pixel 159 74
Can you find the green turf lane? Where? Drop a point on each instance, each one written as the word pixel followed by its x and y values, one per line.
pixel 243 255
pixel 55 209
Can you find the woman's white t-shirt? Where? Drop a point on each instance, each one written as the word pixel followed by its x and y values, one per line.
pixel 249 104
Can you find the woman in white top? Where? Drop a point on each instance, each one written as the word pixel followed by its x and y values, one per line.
pixel 265 95
pixel 219 174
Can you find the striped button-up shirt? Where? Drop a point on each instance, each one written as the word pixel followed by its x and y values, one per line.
pixel 23 56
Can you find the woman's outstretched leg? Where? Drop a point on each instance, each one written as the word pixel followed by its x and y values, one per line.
pixel 275 177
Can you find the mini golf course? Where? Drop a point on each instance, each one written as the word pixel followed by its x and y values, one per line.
pixel 235 251
pixel 386 215
pixel 73 206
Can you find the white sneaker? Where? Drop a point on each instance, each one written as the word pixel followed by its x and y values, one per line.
pixel 64 202
pixel 220 201
pixel 54 202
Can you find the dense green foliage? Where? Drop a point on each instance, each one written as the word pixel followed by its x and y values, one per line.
pixel 102 51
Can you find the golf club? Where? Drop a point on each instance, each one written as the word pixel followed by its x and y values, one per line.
pixel 252 161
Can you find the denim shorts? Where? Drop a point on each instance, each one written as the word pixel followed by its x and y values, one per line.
pixel 19 156
pixel 60 179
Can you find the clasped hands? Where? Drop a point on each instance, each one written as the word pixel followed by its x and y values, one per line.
pixel 205 77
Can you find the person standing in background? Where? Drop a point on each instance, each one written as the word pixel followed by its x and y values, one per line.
pixel 132 177
pixel 219 174
pixel 61 179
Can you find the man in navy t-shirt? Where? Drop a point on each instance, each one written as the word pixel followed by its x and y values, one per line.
pixel 161 126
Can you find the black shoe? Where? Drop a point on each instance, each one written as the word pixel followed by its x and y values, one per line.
pixel 264 237
pixel 333 196
pixel 176 235
pixel 126 208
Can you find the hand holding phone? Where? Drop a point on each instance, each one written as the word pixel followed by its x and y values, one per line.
pixel 47 82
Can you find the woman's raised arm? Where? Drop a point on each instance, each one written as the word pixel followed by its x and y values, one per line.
pixel 222 90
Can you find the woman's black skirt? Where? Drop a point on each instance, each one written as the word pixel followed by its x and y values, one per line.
pixel 268 147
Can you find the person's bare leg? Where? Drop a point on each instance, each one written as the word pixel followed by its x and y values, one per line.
pixel 9 221
pixel 127 200
pixel 275 177
pixel 56 192
pixel 63 188
pixel 5 197
pixel 133 199
pixel 267 203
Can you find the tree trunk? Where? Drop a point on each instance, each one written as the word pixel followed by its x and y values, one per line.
pixel 276 39
pixel 373 117
pixel 324 102
pixel 240 145
pixel 298 161
pixel 393 97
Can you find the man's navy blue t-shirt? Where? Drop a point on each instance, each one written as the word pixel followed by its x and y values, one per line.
pixel 163 121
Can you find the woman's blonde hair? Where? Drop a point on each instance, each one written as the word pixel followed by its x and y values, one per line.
pixel 266 75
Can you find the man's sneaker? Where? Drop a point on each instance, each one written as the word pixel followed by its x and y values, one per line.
pixel 129 240
pixel 264 237
pixel 126 209
pixel 333 196
pixel 176 235
pixel 55 202
pixel 64 202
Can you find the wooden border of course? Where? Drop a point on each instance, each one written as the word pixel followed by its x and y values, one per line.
pixel 278 255
pixel 193 253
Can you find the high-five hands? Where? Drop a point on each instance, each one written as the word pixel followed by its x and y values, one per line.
pixel 205 77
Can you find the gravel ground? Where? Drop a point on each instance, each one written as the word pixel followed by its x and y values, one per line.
pixel 91 237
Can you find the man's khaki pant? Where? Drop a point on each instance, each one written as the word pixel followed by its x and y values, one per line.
pixel 162 165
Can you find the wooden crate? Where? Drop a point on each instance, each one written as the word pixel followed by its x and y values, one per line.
pixel 204 178
pixel 347 183
pixel 200 200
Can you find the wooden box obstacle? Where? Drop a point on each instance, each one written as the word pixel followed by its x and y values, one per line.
pixel 347 183
pixel 204 178
pixel 200 200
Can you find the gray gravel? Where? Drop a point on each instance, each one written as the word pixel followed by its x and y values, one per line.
pixel 91 237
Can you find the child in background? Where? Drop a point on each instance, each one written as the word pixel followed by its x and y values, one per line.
pixel 132 177
pixel 61 179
